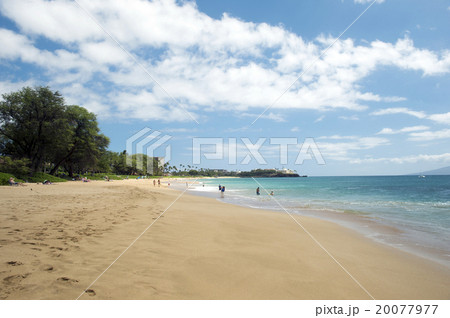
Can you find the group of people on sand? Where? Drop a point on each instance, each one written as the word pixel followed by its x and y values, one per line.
pixel 159 183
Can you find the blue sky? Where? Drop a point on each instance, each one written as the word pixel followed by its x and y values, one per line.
pixel 374 101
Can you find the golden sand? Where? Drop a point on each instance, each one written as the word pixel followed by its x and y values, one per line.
pixel 55 240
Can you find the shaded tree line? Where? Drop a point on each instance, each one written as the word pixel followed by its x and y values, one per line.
pixel 120 163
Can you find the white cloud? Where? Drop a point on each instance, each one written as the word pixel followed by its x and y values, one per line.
pixel 149 107
pixel 295 129
pixel 441 118
pixel 272 116
pixel 204 63
pixel 399 110
pixel 339 137
pixel 368 1
pixel 430 135
pixel 319 119
pixel 8 86
pixel 389 131
pixel 445 157
pixel 386 131
pixel 179 130
pixel 59 21
pixel 105 52
pixel 352 117
pixel 344 150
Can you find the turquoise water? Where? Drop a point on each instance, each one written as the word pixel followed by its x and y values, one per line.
pixel 418 208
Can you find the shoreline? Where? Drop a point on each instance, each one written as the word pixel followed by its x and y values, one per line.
pixel 55 240
pixel 376 229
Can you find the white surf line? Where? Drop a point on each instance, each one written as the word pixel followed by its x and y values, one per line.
pixel 135 60
pixel 318 243
pixel 132 243
pixel 313 63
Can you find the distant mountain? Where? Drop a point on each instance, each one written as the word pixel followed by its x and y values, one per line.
pixel 441 171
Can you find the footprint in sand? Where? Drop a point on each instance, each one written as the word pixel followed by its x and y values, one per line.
pixel 29 243
pixel 58 248
pixel 67 280
pixel 90 292
pixel 14 263
pixel 14 279
pixel 47 268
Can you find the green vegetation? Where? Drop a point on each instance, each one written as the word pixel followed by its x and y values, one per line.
pixel 116 163
pixel 18 167
pixel 102 176
pixel 266 173
pixel 4 178
pixel 41 177
pixel 38 131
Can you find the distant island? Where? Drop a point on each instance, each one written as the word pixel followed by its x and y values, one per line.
pixel 445 171
pixel 269 173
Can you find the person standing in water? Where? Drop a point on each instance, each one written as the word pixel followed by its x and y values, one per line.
pixel 223 192
pixel 257 191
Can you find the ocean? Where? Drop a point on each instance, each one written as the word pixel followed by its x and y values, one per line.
pixel 407 212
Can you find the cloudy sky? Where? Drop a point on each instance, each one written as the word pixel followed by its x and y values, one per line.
pixel 368 82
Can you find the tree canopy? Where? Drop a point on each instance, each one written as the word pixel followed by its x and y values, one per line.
pixel 37 125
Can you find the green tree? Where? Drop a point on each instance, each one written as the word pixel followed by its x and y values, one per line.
pixel 36 125
pixel 18 167
pixel 193 172
pixel 82 145
pixel 30 122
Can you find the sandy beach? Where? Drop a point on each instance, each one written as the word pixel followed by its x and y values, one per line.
pixel 55 240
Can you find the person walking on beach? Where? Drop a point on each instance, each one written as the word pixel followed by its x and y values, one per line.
pixel 223 192
pixel 257 191
pixel 159 182
pixel 220 187
pixel 154 182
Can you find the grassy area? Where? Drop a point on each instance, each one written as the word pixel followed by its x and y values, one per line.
pixel 4 178
pixel 111 176
pixel 41 177
pixel 37 178
pixel 101 176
